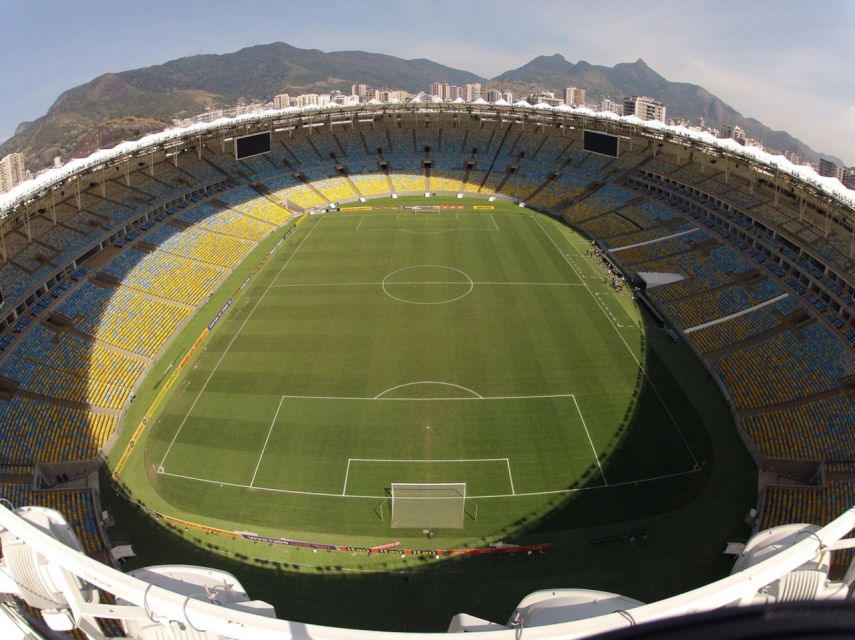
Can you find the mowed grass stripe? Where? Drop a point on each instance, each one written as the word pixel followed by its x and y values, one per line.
pixel 545 337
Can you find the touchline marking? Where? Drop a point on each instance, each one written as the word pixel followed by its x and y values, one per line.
pixel 232 341
pixel 622 339
pixel 376 497
pixel 361 220
pixel 590 442
pixel 611 315
pixel 266 440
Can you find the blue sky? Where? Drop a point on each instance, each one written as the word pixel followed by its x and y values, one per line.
pixel 784 62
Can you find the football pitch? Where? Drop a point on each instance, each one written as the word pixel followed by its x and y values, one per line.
pixel 471 345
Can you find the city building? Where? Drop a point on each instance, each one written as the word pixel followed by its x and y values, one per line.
pixel 306 99
pixel 508 96
pixel 493 95
pixel 644 107
pixel 830 169
pixel 545 97
pixel 472 92
pixel 611 106
pixel 12 171
pixel 574 96
pixel 794 157
pixel 360 90
pixel 282 101
pixel 441 90
pixel 398 96
pixel 735 132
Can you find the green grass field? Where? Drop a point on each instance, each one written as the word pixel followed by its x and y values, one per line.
pixel 391 346
pixel 465 346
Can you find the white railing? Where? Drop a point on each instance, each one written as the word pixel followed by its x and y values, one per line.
pixel 157 603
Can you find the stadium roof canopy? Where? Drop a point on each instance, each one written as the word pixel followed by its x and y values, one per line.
pixel 777 164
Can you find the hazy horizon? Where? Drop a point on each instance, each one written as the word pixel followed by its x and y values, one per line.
pixel 780 62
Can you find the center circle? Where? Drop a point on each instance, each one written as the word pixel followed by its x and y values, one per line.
pixel 427 284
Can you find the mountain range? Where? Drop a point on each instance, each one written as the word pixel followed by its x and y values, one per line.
pixel 126 105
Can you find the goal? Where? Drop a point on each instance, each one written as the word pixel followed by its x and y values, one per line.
pixel 425 208
pixel 428 505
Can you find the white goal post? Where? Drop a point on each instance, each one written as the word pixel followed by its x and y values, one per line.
pixel 425 208
pixel 428 505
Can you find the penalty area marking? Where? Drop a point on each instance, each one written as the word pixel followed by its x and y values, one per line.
pixel 446 399
pixel 425 233
pixel 439 382
pixel 266 440
pixel 379 397
pixel 507 462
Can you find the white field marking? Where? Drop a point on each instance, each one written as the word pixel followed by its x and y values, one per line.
pixel 494 222
pixel 626 483
pixel 461 214
pixel 609 312
pixel 511 477
pixel 425 233
pixel 654 241
pixel 266 440
pixel 449 399
pixel 622 339
pixel 475 282
pixel 361 220
pixel 590 441
pixel 327 284
pixel 428 215
pixel 711 323
pixel 428 460
pixel 408 460
pixel 234 337
pixel 346 475
pixel 435 266
pixel 446 384
pixel 532 284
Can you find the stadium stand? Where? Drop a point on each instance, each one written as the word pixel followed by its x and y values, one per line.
pixel 737 243
pixel 123 318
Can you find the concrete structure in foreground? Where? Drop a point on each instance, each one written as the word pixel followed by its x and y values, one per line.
pixel 43 566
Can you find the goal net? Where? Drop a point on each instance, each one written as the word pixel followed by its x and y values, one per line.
pixel 428 505
pixel 425 208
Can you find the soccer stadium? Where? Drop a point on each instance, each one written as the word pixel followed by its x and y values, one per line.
pixel 422 368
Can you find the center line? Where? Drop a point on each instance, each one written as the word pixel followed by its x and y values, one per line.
pixel 442 282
